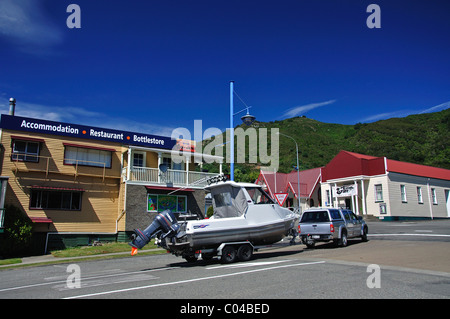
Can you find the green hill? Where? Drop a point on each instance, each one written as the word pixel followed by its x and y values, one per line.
pixel 422 139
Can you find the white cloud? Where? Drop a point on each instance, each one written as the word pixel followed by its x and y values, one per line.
pixel 77 115
pixel 387 115
pixel 299 110
pixel 437 108
pixel 29 28
pixel 404 113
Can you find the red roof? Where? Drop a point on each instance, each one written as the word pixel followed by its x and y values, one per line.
pixel 360 156
pixel 348 164
pixel 417 170
pixel 285 182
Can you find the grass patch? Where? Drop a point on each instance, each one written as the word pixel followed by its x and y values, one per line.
pixel 10 261
pixel 106 248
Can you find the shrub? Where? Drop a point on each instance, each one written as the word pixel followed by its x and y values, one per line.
pixel 16 238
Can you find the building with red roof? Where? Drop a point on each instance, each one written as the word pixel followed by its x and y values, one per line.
pixel 368 185
pixel 275 183
pixel 385 188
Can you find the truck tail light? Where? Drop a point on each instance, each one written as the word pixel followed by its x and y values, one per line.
pixel 332 228
pixel 298 228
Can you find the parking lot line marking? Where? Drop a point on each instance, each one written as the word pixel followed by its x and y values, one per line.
pixel 89 277
pixel 192 280
pixel 248 264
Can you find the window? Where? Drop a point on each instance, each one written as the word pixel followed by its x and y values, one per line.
pixel 138 159
pixel 403 193
pixel 378 193
pixel 419 195
pixel 167 161
pixel 26 151
pixel 54 199
pixel 258 196
pixel 222 199
pixel 87 156
pixel 328 202
pixel 159 203
pixel 315 217
pixel 433 196
pixel 334 213
pixel 347 215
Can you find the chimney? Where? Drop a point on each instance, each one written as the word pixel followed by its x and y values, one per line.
pixel 12 106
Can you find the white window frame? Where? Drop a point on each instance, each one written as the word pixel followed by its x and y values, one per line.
pixel 25 156
pixel 328 203
pixel 87 156
pixel 419 195
pixel 144 158
pixel 378 192
pixel 403 193
pixel 434 196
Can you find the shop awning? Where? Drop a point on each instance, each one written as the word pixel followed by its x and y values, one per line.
pixel 26 138
pixel 41 220
pixel 162 188
pixel 57 188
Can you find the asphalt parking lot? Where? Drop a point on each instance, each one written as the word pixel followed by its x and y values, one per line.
pixel 411 244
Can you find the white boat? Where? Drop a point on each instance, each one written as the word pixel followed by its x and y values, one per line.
pixel 244 215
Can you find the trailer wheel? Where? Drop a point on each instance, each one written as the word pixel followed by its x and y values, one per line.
pixel 245 252
pixel 228 255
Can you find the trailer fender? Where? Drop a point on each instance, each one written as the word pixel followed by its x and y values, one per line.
pixel 222 246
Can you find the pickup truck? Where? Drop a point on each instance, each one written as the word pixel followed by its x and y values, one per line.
pixel 331 224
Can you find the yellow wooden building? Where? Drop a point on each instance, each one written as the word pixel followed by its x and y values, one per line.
pixel 80 184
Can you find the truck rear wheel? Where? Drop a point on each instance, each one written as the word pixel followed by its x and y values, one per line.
pixel 343 240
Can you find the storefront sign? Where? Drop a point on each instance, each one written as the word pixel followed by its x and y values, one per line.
pixel 345 190
pixel 83 131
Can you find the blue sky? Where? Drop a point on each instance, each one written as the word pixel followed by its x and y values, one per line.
pixel 151 66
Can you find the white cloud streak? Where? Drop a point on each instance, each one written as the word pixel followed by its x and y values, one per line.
pixel 404 113
pixel 437 108
pixel 28 27
pixel 387 115
pixel 82 116
pixel 302 109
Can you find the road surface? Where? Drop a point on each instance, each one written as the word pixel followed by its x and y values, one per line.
pixel 408 267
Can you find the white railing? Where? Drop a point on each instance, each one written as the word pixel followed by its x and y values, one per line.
pixel 170 177
pixel 144 174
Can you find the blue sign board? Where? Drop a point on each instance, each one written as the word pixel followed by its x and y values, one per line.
pixel 18 123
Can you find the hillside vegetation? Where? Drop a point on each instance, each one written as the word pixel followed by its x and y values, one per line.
pixel 422 139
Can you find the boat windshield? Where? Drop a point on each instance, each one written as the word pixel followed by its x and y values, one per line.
pixel 258 196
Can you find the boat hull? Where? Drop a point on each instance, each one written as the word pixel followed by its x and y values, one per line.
pixel 262 234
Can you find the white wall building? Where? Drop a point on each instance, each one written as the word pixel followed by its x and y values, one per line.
pixel 385 188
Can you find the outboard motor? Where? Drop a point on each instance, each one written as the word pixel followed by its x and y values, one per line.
pixel 164 223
